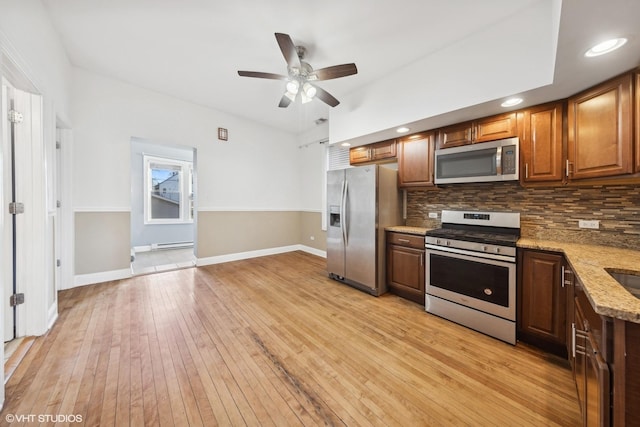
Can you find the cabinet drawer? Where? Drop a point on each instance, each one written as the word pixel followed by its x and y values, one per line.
pixel 409 240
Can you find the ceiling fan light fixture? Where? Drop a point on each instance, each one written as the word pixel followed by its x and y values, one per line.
pixel 291 96
pixel 293 86
pixel 305 98
pixel 309 90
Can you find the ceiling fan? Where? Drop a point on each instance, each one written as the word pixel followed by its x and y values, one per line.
pixel 301 75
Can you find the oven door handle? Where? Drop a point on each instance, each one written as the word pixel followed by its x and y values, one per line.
pixel 435 249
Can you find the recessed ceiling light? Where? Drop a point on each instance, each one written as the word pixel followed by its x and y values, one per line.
pixel 346 144
pixel 403 129
pixel 605 47
pixel 511 102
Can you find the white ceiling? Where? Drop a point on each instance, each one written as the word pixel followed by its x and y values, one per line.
pixel 192 49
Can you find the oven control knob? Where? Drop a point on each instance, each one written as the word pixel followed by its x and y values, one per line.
pixel 488 291
pixel 437 241
pixel 497 250
pixel 448 243
pixel 484 248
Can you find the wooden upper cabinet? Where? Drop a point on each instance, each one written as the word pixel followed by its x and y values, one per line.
pixel 384 150
pixel 455 135
pixel 415 160
pixel 637 122
pixel 376 152
pixel 481 130
pixel 359 154
pixel 541 144
pixel 496 127
pixel 600 122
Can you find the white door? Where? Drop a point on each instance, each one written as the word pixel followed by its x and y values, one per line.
pixel 18 125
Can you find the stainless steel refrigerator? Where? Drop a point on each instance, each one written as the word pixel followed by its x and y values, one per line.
pixel 361 202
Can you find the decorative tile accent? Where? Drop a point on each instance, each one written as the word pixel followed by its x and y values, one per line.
pixel 545 213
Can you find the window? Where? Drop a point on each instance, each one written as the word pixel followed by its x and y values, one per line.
pixel 168 190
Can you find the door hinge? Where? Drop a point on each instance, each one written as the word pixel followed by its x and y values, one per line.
pixel 16 299
pixel 15 117
pixel 16 208
pixel 58 204
pixel 58 145
pixel 58 263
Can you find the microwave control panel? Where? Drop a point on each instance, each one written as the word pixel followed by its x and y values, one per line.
pixel 509 160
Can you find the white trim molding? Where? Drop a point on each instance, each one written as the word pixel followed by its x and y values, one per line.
pixel 258 253
pixel 102 209
pixel 103 276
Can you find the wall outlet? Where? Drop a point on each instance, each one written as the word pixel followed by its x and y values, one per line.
pixel 594 223
pixel 312 237
pixel 433 215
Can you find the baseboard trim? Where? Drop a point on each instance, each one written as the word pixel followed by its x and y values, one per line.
pixel 103 276
pixel 258 253
pixel 106 276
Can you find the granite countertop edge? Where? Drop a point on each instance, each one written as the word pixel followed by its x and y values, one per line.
pixel 418 231
pixel 589 263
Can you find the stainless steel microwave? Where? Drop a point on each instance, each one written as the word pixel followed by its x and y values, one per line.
pixel 482 162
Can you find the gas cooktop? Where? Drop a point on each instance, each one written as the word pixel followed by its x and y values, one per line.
pixel 477 236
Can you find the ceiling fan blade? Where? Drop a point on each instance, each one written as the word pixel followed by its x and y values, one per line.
pixel 326 97
pixel 334 72
pixel 261 75
pixel 287 99
pixel 288 50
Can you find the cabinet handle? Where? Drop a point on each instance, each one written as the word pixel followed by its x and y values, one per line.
pixel 403 240
pixel 526 170
pixel 562 276
pixel 573 339
pixel 421 260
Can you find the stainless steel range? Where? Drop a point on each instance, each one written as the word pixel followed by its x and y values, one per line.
pixel 471 271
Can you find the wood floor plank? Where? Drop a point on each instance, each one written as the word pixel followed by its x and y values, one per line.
pixel 273 341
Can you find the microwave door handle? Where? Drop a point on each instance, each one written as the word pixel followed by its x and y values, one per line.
pixel 499 161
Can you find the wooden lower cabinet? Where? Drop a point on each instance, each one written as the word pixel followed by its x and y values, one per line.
pixel 590 365
pixel 542 314
pixel 405 266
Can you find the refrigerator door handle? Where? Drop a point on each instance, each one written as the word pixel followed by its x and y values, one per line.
pixel 343 220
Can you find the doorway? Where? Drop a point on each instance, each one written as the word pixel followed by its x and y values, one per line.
pixel 163 214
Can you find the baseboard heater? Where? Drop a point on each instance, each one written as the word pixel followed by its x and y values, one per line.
pixel 173 245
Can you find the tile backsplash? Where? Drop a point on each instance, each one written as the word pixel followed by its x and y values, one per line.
pixel 545 213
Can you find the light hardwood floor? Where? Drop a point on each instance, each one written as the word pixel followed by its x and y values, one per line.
pixel 273 341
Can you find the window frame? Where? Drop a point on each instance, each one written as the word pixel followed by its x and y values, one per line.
pixel 185 172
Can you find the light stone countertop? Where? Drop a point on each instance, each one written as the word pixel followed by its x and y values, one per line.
pixel 419 231
pixel 607 296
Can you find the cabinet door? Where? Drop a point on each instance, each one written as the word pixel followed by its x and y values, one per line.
pixel 541 144
pixel 383 150
pixel 496 127
pixel 405 266
pixel 567 276
pixel 596 386
pixel 600 130
pixel 637 124
pixel 415 161
pixel 455 135
pixel 543 298
pixel 580 362
pixel 359 154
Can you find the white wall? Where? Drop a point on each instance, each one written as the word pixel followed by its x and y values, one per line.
pixel 254 169
pixel 424 89
pixel 27 34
